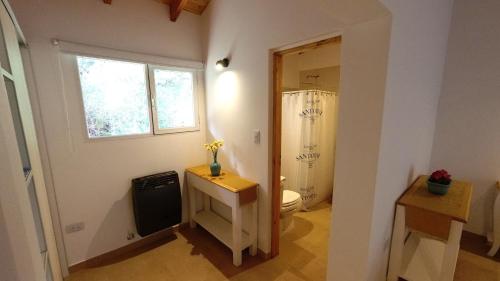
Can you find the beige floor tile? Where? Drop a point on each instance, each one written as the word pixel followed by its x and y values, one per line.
pixel 476 268
pixel 196 256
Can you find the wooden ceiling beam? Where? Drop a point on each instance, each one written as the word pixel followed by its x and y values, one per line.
pixel 176 7
pixel 193 6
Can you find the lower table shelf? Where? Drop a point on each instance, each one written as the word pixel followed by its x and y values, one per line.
pixel 220 228
pixel 422 258
pixel 237 193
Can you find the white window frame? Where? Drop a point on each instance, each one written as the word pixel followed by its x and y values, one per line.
pixel 149 68
pixel 152 87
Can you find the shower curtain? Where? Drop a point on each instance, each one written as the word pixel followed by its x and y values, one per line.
pixel 308 144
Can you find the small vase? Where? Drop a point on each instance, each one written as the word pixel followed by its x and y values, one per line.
pixel 215 167
pixel 437 188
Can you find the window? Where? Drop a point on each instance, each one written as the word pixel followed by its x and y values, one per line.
pixel 173 100
pixel 115 97
pixel 117 100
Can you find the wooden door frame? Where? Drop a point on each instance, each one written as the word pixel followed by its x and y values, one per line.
pixel 276 133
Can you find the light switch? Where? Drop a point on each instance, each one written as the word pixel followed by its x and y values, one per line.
pixel 256 136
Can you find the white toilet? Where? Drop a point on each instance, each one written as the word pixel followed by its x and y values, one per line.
pixel 291 202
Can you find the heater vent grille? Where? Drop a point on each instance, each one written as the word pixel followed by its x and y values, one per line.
pixel 157 202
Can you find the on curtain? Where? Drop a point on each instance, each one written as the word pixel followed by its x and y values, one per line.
pixel 308 144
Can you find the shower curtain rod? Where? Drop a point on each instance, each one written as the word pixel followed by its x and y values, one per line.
pixel 311 90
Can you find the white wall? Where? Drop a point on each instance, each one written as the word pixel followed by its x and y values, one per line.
pixel 92 178
pixel 362 87
pixel 393 112
pixel 467 131
pixel 414 75
pixel 238 101
pixel 7 266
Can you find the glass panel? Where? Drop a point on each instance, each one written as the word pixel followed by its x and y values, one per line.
pixel 35 209
pixel 115 97
pixel 18 125
pixel 174 99
pixel 4 58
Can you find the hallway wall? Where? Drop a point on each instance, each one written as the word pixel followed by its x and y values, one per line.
pixel 419 37
pixel 467 129
pixel 239 101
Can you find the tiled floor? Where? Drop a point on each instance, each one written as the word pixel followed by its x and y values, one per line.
pixel 196 256
pixel 471 267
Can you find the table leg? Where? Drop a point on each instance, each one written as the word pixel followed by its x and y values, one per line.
pixel 494 248
pixel 192 205
pixel 397 244
pixel 496 227
pixel 206 202
pixel 451 252
pixel 236 247
pixel 253 229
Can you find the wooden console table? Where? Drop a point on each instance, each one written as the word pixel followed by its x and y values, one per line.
pixel 233 191
pixel 427 232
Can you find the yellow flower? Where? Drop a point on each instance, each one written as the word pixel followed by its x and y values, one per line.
pixel 214 146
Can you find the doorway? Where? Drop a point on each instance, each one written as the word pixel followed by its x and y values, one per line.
pixel 305 108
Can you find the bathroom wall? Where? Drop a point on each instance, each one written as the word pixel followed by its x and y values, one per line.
pixel 328 78
pixel 467 129
pixel 323 61
pixel 91 179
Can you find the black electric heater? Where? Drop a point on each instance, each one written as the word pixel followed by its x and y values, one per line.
pixel 157 202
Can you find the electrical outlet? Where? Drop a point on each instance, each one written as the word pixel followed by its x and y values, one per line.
pixel 130 235
pixel 75 227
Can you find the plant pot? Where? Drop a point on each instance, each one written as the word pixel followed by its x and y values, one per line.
pixel 215 169
pixel 437 188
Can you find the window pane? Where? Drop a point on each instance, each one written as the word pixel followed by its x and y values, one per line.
pixel 18 125
pixel 115 97
pixel 174 99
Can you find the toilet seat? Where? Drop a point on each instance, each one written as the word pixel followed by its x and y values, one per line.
pixel 290 197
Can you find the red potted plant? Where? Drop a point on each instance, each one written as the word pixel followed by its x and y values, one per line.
pixel 439 182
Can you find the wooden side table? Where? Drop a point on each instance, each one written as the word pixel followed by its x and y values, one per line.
pixel 427 232
pixel 233 191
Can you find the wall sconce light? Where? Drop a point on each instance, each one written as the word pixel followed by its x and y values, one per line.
pixel 221 64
